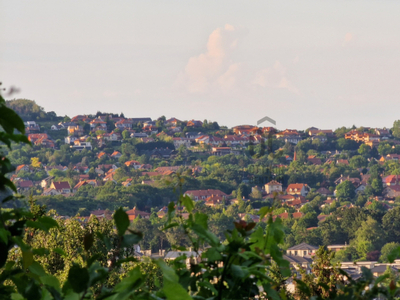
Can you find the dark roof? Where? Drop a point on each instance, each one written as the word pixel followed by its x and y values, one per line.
pixel 136 120
pixel 303 246
pixel 297 259
pixel 382 269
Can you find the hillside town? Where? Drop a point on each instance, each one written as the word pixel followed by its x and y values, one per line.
pixel 329 187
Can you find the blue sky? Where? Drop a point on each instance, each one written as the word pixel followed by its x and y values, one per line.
pixel 303 63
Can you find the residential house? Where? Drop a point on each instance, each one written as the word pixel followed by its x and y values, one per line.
pixel 70 139
pixel 324 191
pixel 46 182
pixel 31 126
pixel 134 213
pixel 98 124
pixel 61 187
pixel 76 130
pixel 41 139
pixel 303 250
pixel 245 130
pixel 172 122
pixel 139 135
pixel 79 118
pixel 112 136
pixel 116 155
pixel 127 182
pixel 316 131
pixel 160 153
pixel 79 145
pixel 395 157
pixel 56 127
pixel 289 136
pixel 273 186
pixel 50 192
pixel 22 168
pixel 298 189
pixel 215 200
pixel 24 185
pixel 383 133
pixel 133 164
pixel 391 192
pixel 391 180
pixel 178 141
pixel 312 159
pixel 194 123
pixel 219 151
pixel 124 124
pixel 234 140
pixel 297 202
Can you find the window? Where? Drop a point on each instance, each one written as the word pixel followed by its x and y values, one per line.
pixel 305 252
pixel 295 252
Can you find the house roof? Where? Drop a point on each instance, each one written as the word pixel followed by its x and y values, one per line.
pixel 61 185
pixel 297 215
pixel 273 182
pixel 294 186
pixel 297 259
pixel 325 191
pixel 79 184
pixel 19 167
pixel 25 183
pixel 132 163
pixel 391 179
pixel 303 246
pixel 382 269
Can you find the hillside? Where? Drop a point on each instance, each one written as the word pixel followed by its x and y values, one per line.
pixel 29 110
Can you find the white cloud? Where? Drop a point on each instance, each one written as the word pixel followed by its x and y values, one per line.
pixel 274 77
pixel 214 68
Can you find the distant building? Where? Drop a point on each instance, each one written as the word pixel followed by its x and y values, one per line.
pixel 302 250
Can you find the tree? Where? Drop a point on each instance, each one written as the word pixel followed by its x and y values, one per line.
pixel 324 278
pixel 358 161
pixel 35 162
pixel 386 250
pixel 345 191
pixel 377 186
pixel 332 232
pixel 391 224
pixel 396 129
pixel 369 237
pixel 125 134
pixel 364 150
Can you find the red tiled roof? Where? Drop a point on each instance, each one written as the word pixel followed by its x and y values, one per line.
pixel 61 185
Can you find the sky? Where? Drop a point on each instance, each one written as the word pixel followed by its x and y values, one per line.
pixel 304 63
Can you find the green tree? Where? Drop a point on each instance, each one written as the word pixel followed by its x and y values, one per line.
pixel 345 191
pixel 388 249
pixel 396 129
pixel 391 224
pixel 369 237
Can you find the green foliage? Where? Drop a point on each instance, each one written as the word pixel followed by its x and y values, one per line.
pixel 396 129
pixel 345 191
